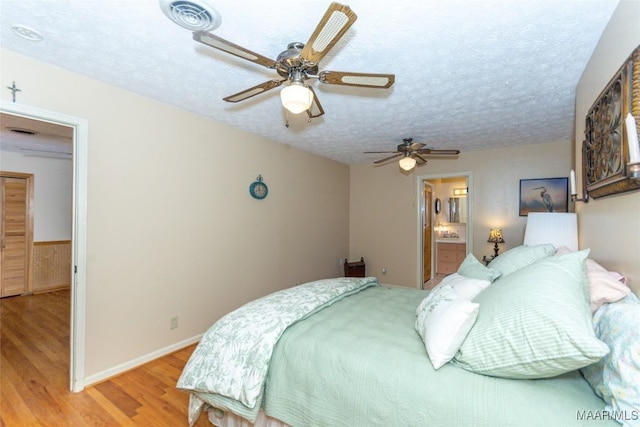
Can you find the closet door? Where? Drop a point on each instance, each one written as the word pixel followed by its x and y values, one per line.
pixel 15 234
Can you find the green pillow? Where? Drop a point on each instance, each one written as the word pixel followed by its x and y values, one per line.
pixel 521 256
pixel 473 269
pixel 534 323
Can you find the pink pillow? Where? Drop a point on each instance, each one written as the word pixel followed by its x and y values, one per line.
pixel 605 286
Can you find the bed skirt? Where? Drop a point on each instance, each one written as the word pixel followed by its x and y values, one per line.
pixel 228 419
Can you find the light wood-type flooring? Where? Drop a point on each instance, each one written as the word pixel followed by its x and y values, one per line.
pixel 430 284
pixel 34 375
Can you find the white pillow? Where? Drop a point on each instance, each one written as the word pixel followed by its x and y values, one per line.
pixel 464 286
pixel 444 322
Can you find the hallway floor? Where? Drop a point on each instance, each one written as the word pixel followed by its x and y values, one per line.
pixel 430 284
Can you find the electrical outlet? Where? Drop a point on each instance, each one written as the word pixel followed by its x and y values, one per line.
pixel 341 262
pixel 174 323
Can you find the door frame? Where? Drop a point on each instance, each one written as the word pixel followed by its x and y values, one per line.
pixel 420 179
pixel 423 202
pixel 79 230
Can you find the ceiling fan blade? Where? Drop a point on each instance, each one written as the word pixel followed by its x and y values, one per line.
pixel 380 152
pixel 434 152
pixel 419 159
pixel 415 146
pixel 381 81
pixel 253 91
pixel 388 158
pixel 226 46
pixel 316 108
pixel 335 22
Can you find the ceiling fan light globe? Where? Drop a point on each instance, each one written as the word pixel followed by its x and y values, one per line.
pixel 296 98
pixel 407 163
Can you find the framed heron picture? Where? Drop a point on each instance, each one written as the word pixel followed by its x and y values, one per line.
pixel 544 195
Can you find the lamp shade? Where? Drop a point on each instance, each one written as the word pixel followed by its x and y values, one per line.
pixel 559 229
pixel 495 236
pixel 296 97
pixel 407 163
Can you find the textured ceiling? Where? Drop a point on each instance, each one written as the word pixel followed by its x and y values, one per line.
pixel 469 74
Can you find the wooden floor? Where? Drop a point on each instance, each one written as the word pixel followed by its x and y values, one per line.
pixel 430 284
pixel 34 375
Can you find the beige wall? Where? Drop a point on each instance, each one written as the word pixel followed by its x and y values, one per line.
pixel 172 230
pixel 384 207
pixel 610 226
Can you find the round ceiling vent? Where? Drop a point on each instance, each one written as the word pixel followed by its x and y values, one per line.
pixel 194 15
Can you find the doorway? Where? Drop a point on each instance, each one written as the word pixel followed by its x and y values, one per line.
pixel 445 224
pixel 79 228
pixel 428 213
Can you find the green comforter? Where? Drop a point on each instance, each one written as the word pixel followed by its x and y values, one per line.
pixel 229 366
pixel 360 362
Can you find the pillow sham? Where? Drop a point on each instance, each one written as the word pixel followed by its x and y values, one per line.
pixel 473 269
pixel 616 377
pixel 444 323
pixel 464 286
pixel 534 323
pixel 604 286
pixel 521 256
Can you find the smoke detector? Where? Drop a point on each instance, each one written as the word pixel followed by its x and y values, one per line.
pixel 194 15
pixel 26 33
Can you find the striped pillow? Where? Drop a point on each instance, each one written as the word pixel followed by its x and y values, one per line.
pixel 473 269
pixel 534 323
pixel 521 256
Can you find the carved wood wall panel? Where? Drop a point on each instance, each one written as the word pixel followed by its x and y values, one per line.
pixel 605 151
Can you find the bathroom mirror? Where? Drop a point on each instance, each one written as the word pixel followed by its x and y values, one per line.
pixel 457 209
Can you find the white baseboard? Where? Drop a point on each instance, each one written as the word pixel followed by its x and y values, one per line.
pixel 127 366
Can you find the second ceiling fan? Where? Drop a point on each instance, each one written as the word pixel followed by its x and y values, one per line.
pixel 413 153
pixel 299 62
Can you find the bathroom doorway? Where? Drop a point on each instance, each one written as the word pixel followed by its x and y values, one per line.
pixel 445 225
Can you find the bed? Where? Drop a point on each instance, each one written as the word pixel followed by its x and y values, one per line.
pixel 352 353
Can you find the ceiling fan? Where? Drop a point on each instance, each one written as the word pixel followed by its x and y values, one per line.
pixel 412 153
pixel 299 62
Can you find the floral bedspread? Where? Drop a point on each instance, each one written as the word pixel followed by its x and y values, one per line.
pixel 232 359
